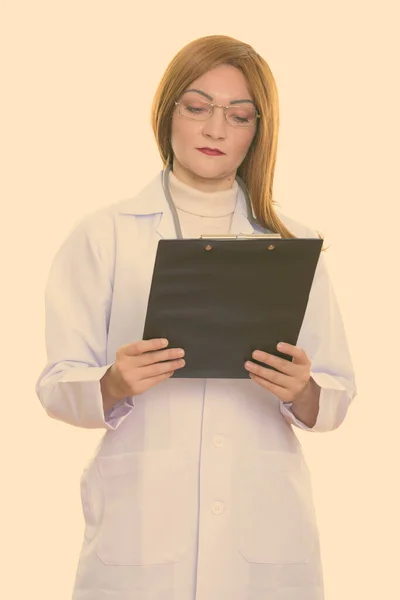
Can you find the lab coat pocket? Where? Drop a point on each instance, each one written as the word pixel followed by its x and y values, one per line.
pixel 91 500
pixel 145 512
pixel 275 516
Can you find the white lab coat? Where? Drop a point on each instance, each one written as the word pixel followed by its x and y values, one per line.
pixel 199 489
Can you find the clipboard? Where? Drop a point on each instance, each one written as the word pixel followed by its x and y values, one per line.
pixel 221 298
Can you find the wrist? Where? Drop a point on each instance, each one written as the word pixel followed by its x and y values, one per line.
pixel 109 389
pixel 306 406
pixel 309 395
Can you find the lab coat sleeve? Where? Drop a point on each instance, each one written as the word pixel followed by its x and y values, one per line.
pixel 78 299
pixel 322 337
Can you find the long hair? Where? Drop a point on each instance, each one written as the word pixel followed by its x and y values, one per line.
pixel 258 167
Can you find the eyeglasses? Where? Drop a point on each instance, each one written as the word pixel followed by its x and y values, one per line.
pixel 239 115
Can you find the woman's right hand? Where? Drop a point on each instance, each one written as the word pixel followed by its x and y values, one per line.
pixel 138 367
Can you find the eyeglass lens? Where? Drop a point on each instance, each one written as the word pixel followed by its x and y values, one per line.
pixel 240 115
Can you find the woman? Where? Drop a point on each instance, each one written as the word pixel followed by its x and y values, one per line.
pixel 199 489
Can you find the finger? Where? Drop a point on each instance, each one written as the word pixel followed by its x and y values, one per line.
pixel 282 364
pixel 159 378
pixel 160 368
pixel 141 346
pixel 149 358
pixel 299 356
pixel 275 377
pixel 277 390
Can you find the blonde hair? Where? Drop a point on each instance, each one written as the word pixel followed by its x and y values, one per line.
pixel 257 169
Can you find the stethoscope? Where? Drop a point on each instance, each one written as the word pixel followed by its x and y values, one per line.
pixel 174 212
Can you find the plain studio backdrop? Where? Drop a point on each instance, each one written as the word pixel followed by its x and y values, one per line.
pixel 78 80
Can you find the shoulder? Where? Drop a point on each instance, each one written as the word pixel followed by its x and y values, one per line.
pixel 95 226
pixel 104 219
pixel 299 229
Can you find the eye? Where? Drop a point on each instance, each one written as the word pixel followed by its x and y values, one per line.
pixel 192 105
pixel 242 115
pixel 240 119
pixel 194 109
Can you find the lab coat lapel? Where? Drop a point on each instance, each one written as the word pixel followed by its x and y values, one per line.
pixel 151 201
pixel 166 226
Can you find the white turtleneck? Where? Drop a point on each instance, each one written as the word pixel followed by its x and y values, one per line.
pixel 202 212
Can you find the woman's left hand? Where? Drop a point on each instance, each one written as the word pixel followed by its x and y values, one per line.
pixel 293 378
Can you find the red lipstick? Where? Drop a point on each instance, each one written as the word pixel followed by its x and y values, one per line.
pixel 211 151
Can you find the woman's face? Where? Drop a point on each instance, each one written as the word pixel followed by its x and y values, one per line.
pixel 222 85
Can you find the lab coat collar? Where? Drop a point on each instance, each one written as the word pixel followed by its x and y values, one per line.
pixel 151 200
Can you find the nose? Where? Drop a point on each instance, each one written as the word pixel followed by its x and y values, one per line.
pixel 215 126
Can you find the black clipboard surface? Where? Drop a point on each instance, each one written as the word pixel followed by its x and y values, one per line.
pixel 220 300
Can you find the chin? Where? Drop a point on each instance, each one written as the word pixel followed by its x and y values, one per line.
pixel 207 171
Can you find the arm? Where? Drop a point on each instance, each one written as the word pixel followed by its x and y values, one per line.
pixel 322 337
pixel 77 311
pixel 306 408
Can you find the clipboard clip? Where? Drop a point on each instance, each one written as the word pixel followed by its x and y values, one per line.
pixel 240 236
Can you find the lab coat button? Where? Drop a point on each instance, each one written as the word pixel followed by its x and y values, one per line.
pixel 218 441
pixel 217 508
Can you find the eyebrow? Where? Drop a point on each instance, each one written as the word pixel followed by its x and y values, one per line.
pixel 211 98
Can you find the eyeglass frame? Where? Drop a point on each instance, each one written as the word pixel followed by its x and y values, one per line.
pixel 258 116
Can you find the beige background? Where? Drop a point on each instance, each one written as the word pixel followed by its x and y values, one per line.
pixel 77 84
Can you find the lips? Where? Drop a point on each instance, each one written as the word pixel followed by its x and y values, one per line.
pixel 211 151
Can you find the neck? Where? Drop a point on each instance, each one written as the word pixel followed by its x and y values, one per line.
pixel 203 184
